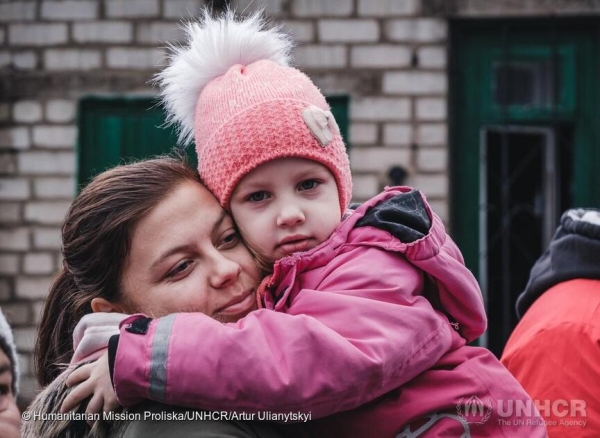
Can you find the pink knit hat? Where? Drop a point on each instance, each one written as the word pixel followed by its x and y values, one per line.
pixel 231 89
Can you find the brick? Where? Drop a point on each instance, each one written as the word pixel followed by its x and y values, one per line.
pixel 431 108
pixel 15 138
pixel 133 58
pixel 422 30
pixel 47 238
pixel 363 133
pixel 28 388
pixel 27 111
pixel 5 59
pixel 5 290
pixel 25 339
pixel 301 31
pixel 14 189
pixel 69 10
pixel 46 163
pixel 380 56
pixel 182 8
pixel 60 110
pixel 432 159
pixel 8 163
pixel 17 11
pixel 397 134
pixel 37 34
pixel 2 36
pixel 273 8
pixel 38 263
pixel 131 8
pixel 159 33
pixel 47 213
pixel 25 360
pixel 364 187
pixel 54 188
pixel 4 112
pixel 313 56
pixel 348 31
pixel 37 310
pixel 319 8
pixel 10 213
pixel 414 83
pixel 434 133
pixel 379 109
pixel 440 207
pixel 9 264
pixel 378 159
pixel 432 57
pixel 16 239
pixel 72 59
pixel 387 8
pixel 103 32
pixel 48 136
pixel 26 60
pixel 17 314
pixel 431 185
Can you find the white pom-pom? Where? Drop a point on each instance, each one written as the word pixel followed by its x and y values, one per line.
pixel 214 45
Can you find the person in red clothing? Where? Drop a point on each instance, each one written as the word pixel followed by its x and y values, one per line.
pixel 554 351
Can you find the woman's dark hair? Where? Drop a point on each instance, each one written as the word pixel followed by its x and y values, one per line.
pixel 96 239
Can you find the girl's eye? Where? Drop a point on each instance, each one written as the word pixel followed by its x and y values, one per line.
pixel 309 184
pixel 230 240
pixel 180 269
pixel 258 196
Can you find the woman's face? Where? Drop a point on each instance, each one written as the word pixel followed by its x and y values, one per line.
pixel 186 256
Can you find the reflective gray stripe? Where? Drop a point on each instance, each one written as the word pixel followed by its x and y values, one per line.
pixel 158 363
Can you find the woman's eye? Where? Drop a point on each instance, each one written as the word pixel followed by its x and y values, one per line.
pixel 257 196
pixel 180 268
pixel 230 240
pixel 309 184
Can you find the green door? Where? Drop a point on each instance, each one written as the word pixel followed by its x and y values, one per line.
pixel 524 147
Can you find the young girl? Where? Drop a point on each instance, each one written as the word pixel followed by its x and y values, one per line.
pixel 366 311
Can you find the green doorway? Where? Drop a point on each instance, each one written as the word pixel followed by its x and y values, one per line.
pixel 524 146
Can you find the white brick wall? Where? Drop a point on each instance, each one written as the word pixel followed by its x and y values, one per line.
pixel 72 59
pixel 46 163
pixel 364 187
pixel 397 134
pixel 313 56
pixel 433 133
pixel 69 10
pixel 54 188
pixel 378 159
pixel 18 313
pixel 48 136
pixel 344 31
pixel 122 58
pixel 46 213
pixel 131 8
pixel 178 9
pixel 363 133
pixel 434 186
pixel 387 8
pixel 60 110
pixel 16 239
pixel 17 11
pixel 301 31
pixel 15 138
pixel 380 56
pixel 432 159
pixel 24 339
pixel 379 109
pixel 37 34
pixel 319 8
pixel 414 83
pixel 46 238
pixel 422 30
pixel 432 57
pixel 431 108
pixel 9 265
pixel 271 7
pixel 38 263
pixel 25 60
pixel 10 213
pixel 103 32
pixel 156 33
pixel 27 111
pixel 14 189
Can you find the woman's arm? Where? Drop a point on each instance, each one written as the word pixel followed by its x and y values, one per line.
pixel 335 349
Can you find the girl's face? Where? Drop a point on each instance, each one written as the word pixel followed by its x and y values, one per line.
pixel 186 256
pixel 285 206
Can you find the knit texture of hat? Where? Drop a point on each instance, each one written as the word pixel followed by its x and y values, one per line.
pixel 230 87
pixel 7 344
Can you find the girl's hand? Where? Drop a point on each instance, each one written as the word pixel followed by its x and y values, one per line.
pixel 93 380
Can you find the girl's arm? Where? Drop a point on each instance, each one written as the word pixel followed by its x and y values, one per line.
pixel 335 349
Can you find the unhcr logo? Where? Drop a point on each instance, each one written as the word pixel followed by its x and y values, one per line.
pixel 474 410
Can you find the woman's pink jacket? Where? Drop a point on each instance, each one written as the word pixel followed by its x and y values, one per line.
pixel 373 321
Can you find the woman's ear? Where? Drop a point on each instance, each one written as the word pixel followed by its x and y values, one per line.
pixel 103 305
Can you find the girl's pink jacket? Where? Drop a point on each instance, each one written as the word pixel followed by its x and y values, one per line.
pixel 374 321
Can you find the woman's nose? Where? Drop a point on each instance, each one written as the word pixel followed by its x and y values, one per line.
pixel 224 272
pixel 290 215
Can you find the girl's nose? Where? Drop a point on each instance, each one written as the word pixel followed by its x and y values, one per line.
pixel 224 271
pixel 290 215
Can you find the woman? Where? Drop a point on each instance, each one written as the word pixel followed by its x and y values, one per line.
pixel 124 216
